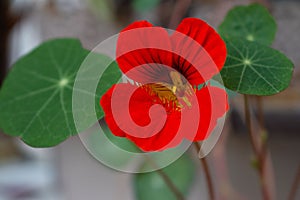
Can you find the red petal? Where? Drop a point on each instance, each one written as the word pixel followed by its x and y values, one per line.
pixel 150 133
pixel 198 63
pixel 164 139
pixel 213 104
pixel 141 48
pixel 137 24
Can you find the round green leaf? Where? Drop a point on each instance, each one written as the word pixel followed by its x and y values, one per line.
pixel 252 22
pixel 255 69
pixel 36 97
pixel 149 186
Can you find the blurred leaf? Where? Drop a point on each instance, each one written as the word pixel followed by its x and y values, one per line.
pixel 102 8
pixel 144 5
pixel 105 149
pixel 252 22
pixel 149 186
pixel 111 76
pixel 96 75
pixel 121 142
pixel 255 69
pixel 36 97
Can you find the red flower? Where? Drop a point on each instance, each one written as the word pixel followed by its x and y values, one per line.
pixel 168 70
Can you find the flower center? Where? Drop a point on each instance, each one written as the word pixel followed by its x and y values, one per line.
pixel 183 90
pixel 175 95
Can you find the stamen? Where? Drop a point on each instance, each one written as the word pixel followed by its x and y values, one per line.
pixel 188 103
pixel 182 90
pixel 174 95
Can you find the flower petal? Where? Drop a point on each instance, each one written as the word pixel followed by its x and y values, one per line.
pixel 164 139
pixel 150 128
pixel 213 104
pixel 143 51
pixel 198 121
pixel 201 53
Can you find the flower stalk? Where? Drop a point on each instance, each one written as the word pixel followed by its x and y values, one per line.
pixel 204 164
pixel 259 146
pixel 170 184
pixel 178 194
pixel 295 185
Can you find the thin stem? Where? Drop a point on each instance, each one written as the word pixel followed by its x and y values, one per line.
pixel 264 184
pixel 166 179
pixel 204 164
pixel 263 134
pixel 260 153
pixel 260 112
pixel 295 185
pixel 170 184
pixel 249 125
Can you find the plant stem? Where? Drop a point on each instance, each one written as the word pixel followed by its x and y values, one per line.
pixel 260 152
pixel 170 184
pixel 249 125
pixel 263 135
pixel 261 121
pixel 260 112
pixel 295 185
pixel 204 164
pixel 166 179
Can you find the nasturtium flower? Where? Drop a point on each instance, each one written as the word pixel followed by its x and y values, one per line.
pixel 173 71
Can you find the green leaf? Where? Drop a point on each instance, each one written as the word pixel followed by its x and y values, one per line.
pixel 252 22
pixel 144 5
pixel 104 149
pixel 111 76
pixel 35 100
pixel 121 142
pixel 96 75
pixel 255 69
pixel 36 97
pixel 149 186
